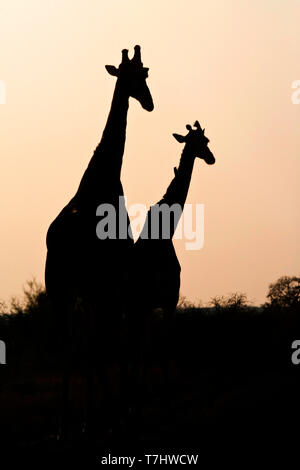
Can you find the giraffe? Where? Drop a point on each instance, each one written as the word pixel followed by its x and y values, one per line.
pixel 80 268
pixel 156 265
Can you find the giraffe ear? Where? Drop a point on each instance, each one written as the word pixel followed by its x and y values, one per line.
pixel 112 70
pixel 179 138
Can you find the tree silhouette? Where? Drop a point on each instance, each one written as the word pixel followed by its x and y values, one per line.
pixel 285 292
pixel 233 303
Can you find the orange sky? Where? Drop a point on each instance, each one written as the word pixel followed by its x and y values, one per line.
pixel 228 63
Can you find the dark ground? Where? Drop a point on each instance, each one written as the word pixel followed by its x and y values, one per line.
pixel 233 393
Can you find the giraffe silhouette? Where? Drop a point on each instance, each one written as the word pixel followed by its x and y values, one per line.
pixel 156 268
pixel 82 269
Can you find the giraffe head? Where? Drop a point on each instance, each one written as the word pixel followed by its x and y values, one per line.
pixel 133 75
pixel 196 143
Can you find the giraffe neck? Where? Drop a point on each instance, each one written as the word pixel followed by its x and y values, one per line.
pixel 111 146
pixel 176 194
pixel 178 189
pixel 104 168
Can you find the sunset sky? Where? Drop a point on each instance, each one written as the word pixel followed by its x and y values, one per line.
pixel 228 63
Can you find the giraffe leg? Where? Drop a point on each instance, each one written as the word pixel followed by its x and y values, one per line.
pixel 88 426
pixel 146 351
pixel 98 413
pixel 123 361
pixel 167 345
pixel 90 360
pixel 138 345
pixel 63 432
pixel 64 419
pixel 116 404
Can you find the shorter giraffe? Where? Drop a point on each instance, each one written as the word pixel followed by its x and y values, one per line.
pixel 157 269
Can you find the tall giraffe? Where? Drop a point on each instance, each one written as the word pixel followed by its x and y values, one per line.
pixel 81 268
pixel 157 268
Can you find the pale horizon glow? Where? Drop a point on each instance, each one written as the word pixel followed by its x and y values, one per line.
pixel 228 63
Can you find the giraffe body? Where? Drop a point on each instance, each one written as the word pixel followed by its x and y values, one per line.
pixel 157 269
